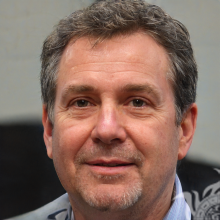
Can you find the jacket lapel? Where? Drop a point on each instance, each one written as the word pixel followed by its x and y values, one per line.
pixel 63 214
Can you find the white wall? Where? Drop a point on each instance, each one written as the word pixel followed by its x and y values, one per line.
pixel 202 18
pixel 24 24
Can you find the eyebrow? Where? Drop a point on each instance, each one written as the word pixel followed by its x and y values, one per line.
pixel 77 89
pixel 127 88
pixel 142 88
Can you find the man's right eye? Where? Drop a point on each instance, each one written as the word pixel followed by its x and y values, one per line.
pixel 81 103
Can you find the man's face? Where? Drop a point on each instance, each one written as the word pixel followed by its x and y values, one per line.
pixel 114 142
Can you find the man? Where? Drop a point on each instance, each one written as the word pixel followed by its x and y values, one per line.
pixel 118 84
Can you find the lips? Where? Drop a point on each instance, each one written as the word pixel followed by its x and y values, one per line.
pixel 108 163
pixel 109 167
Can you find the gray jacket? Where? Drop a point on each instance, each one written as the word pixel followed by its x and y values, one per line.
pixel 59 209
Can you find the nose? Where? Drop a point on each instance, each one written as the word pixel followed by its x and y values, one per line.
pixel 109 128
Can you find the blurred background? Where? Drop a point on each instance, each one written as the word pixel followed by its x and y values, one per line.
pixel 27 176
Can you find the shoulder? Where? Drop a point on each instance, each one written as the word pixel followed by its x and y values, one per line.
pixel 59 207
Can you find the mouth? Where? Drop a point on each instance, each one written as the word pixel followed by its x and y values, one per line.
pixel 112 167
pixel 109 163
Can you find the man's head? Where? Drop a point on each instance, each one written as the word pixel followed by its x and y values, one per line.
pixel 106 19
pixel 114 103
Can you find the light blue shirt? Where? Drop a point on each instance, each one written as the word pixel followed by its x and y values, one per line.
pixel 179 209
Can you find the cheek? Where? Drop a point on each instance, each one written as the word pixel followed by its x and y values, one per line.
pixel 69 138
pixel 159 146
pixel 156 141
pixel 67 141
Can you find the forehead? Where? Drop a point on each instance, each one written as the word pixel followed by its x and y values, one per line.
pixel 138 53
pixel 134 48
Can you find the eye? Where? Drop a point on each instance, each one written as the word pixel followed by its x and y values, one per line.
pixel 81 103
pixel 138 103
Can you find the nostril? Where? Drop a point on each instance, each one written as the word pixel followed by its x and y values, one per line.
pixel 116 140
pixel 108 132
pixel 96 140
pixel 107 143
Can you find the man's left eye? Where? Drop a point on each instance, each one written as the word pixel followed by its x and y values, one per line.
pixel 81 103
pixel 138 103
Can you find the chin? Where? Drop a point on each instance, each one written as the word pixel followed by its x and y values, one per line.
pixel 111 197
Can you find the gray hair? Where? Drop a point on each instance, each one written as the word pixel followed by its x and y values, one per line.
pixel 105 19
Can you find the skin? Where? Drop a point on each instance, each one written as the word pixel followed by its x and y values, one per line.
pixel 114 105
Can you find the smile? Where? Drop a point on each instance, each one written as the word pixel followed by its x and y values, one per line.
pixel 109 167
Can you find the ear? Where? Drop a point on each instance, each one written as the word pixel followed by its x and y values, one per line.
pixel 48 128
pixel 187 130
